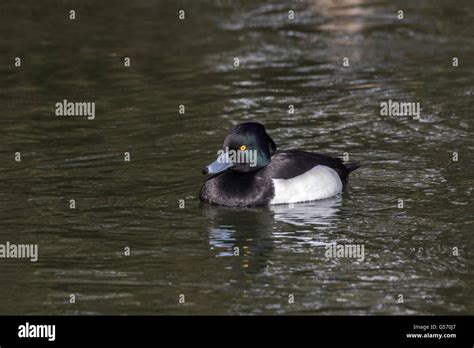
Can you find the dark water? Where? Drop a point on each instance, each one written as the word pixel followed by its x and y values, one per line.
pixel 189 251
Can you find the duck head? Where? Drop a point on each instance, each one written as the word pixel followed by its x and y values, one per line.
pixel 246 148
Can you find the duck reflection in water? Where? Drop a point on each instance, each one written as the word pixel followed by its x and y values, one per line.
pixel 252 234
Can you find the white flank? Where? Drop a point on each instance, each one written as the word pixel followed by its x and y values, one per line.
pixel 318 183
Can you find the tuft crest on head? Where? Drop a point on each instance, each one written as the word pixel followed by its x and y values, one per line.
pixel 247 147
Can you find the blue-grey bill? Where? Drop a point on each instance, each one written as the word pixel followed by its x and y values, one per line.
pixel 221 164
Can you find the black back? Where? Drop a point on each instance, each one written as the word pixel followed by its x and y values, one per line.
pixel 291 163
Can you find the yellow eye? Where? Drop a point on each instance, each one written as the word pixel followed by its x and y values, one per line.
pixel 243 148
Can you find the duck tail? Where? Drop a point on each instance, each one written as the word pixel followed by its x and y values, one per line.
pixel 352 166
